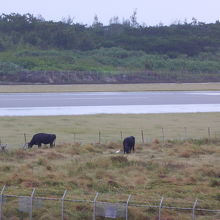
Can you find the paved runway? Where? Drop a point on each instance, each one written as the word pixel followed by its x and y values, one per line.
pixel 16 100
pixel 31 104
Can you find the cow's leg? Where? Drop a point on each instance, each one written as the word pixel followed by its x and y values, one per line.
pixel 127 149
pixel 39 145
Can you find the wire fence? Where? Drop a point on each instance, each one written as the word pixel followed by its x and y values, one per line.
pixel 142 136
pixel 38 204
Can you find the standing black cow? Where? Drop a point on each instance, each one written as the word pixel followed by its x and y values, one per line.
pixel 128 144
pixel 42 138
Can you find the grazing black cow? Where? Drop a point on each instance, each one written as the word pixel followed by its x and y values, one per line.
pixel 42 138
pixel 128 144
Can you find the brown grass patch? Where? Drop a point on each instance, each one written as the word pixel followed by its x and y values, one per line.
pixel 23 154
pixel 185 154
pixel 152 170
pixel 209 171
pixel 54 155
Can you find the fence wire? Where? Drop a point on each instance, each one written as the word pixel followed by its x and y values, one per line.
pixel 147 135
pixel 66 205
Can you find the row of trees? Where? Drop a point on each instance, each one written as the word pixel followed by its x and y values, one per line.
pixel 182 38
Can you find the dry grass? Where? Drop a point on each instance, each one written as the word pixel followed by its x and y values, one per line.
pixel 110 87
pixel 155 170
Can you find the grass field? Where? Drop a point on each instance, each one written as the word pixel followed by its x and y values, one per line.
pixel 86 128
pixel 110 87
pixel 178 171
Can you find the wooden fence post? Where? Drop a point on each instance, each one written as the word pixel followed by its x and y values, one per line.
pixel 121 135
pixel 25 139
pixel 99 137
pixel 163 135
pixel 209 133
pixel 142 136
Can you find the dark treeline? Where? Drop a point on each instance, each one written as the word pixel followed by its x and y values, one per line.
pixel 190 38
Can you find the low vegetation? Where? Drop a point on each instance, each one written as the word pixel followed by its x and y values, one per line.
pixel 178 171
pixel 106 60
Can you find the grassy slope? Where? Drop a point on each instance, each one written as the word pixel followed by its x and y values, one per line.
pixel 111 60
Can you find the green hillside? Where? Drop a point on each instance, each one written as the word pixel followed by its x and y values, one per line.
pixel 186 50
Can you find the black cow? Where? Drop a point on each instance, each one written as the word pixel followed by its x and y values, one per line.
pixel 42 138
pixel 128 144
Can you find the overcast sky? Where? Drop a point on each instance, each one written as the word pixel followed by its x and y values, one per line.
pixel 150 12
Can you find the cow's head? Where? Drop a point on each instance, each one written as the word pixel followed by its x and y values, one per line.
pixel 29 145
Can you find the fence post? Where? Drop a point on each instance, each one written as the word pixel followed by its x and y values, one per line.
pixel 193 210
pixel 94 206
pixel 1 201
pixel 209 133
pixel 121 135
pixel 163 135
pixel 99 137
pixel 126 214
pixel 160 207
pixel 62 204
pixel 142 136
pixel 25 141
pixel 31 204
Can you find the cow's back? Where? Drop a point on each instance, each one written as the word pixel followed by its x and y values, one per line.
pixel 128 144
pixel 43 138
pixel 129 141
